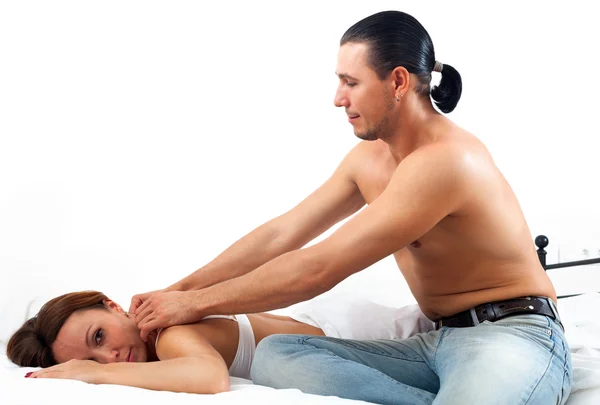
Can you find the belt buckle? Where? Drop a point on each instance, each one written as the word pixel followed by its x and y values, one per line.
pixel 554 312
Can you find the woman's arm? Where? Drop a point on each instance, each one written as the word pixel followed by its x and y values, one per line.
pixel 185 374
pixel 188 363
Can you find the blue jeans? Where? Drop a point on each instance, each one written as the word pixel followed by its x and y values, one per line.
pixel 521 359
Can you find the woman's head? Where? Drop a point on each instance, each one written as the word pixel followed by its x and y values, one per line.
pixel 397 39
pixel 80 325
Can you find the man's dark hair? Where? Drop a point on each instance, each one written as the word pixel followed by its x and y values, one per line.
pixel 397 39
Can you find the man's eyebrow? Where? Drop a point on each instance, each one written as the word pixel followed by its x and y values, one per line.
pixel 87 336
pixel 345 76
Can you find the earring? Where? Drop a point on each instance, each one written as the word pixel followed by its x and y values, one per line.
pixel 397 98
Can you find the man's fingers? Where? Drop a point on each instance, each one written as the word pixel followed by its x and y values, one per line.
pixel 142 313
pixel 143 304
pixel 136 301
pixel 148 327
pixel 142 324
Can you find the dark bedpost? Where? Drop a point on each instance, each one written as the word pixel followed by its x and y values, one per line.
pixel 541 242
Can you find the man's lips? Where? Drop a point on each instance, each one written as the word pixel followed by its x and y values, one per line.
pixel 352 117
pixel 129 356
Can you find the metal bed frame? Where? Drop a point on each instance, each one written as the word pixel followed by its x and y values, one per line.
pixel 541 241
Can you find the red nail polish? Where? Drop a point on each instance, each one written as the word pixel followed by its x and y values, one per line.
pixel 28 374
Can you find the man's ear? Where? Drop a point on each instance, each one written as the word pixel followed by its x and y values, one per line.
pixel 110 304
pixel 401 79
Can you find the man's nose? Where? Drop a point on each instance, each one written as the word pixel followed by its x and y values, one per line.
pixel 340 99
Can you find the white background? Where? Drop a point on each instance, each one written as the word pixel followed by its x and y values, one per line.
pixel 138 139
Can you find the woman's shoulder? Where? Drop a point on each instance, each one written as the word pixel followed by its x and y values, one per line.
pixel 180 341
pixel 217 334
pixel 193 328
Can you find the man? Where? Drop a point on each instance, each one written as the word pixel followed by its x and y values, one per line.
pixel 438 203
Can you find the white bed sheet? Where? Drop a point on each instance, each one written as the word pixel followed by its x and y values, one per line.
pixel 579 316
pixel 17 390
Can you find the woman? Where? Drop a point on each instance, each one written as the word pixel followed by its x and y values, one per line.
pixel 86 336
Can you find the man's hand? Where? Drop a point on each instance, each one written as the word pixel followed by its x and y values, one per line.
pixel 164 309
pixel 83 370
pixel 139 299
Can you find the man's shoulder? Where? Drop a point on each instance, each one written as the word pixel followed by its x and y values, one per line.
pixel 363 153
pixel 368 149
pixel 457 153
pixel 456 163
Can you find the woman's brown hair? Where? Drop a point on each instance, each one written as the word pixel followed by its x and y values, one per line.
pixel 30 346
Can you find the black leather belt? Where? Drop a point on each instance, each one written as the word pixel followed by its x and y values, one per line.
pixel 494 311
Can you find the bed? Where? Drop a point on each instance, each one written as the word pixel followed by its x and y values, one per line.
pixel 582 329
pixel 581 323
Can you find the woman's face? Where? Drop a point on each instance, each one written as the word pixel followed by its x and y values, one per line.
pixel 105 335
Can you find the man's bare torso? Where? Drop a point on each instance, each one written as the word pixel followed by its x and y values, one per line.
pixel 483 252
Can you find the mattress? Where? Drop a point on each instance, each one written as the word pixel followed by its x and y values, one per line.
pixel 582 325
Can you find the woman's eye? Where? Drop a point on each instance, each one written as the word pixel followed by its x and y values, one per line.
pixel 351 84
pixel 98 336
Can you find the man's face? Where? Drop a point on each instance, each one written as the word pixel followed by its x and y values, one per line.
pixel 367 99
pixel 106 335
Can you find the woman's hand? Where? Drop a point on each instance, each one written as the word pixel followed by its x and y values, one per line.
pixel 83 370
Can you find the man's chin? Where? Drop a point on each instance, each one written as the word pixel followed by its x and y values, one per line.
pixel 366 136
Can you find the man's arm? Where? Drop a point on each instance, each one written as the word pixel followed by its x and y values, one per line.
pixel 426 187
pixel 338 198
